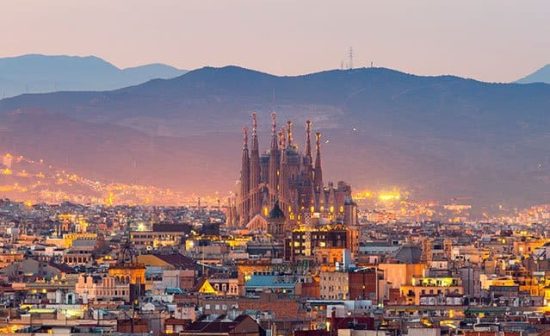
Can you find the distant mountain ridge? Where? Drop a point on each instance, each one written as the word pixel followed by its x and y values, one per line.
pixel 41 74
pixel 542 75
pixel 439 137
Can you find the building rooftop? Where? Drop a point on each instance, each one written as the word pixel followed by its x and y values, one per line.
pixel 408 254
pixel 276 212
pixel 177 260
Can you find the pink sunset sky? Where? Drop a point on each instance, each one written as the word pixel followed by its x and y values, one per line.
pixel 491 40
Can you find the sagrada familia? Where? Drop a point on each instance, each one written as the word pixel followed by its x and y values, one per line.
pixel 288 180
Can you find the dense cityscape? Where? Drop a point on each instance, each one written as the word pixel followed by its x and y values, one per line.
pixel 275 168
pixel 287 254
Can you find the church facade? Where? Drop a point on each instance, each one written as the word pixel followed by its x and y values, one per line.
pixel 289 177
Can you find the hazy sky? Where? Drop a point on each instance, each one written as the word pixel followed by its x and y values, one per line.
pixel 493 40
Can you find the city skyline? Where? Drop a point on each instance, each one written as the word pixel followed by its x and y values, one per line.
pixel 310 168
pixel 290 38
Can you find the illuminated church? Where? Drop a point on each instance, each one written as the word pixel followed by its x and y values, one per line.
pixel 290 178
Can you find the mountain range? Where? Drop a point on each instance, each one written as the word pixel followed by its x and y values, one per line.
pixel 443 137
pixel 542 75
pixel 41 73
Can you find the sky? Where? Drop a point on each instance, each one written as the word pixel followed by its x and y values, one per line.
pixel 490 40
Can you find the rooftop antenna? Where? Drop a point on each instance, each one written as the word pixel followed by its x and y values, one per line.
pixel 351 58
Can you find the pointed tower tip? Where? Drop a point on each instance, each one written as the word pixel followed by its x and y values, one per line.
pixel 318 173
pixel 289 133
pixel 254 132
pixel 274 136
pixel 308 139
pixel 282 138
pixel 254 125
pixel 245 137
pixel 273 122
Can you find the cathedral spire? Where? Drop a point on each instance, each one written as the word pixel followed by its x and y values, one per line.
pixel 318 173
pixel 254 132
pixel 289 133
pixel 274 138
pixel 308 192
pixel 245 181
pixel 308 140
pixel 255 171
pixel 282 139
pixel 245 139
pixel 274 160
